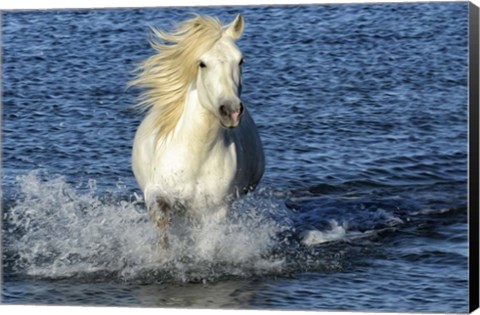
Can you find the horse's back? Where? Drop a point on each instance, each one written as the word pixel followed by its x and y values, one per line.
pixel 250 156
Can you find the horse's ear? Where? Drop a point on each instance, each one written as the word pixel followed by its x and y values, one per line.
pixel 235 29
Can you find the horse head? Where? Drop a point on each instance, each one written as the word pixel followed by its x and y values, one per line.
pixel 219 77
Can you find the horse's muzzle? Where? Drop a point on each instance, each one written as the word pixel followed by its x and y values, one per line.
pixel 230 116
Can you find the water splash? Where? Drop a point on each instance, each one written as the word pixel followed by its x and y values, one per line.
pixel 336 232
pixel 54 230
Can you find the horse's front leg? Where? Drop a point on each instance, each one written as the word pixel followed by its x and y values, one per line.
pixel 159 212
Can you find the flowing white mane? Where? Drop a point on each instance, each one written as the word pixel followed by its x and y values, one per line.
pixel 167 74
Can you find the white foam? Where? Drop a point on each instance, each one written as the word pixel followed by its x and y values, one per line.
pixel 55 230
pixel 315 237
pixel 340 232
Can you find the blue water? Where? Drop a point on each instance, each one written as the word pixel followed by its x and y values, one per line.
pixel 362 110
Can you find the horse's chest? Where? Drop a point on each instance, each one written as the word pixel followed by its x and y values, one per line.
pixel 203 178
pixel 218 173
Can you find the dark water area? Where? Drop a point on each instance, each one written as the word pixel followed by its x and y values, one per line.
pixel 362 110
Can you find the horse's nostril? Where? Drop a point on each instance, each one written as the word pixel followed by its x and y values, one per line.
pixel 223 110
pixel 241 108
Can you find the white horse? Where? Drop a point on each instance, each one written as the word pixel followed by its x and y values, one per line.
pixel 197 147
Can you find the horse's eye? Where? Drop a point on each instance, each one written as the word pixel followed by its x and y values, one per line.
pixel 241 62
pixel 202 64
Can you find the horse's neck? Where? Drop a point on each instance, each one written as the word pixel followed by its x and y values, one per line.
pixel 199 129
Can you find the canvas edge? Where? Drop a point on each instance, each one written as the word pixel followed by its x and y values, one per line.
pixel 473 157
pixel 473 126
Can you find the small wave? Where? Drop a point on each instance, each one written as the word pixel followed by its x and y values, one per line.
pixel 314 237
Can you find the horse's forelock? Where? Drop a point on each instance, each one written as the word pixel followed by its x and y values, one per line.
pixel 167 74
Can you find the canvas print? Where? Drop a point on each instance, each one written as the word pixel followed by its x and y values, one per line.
pixel 303 157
